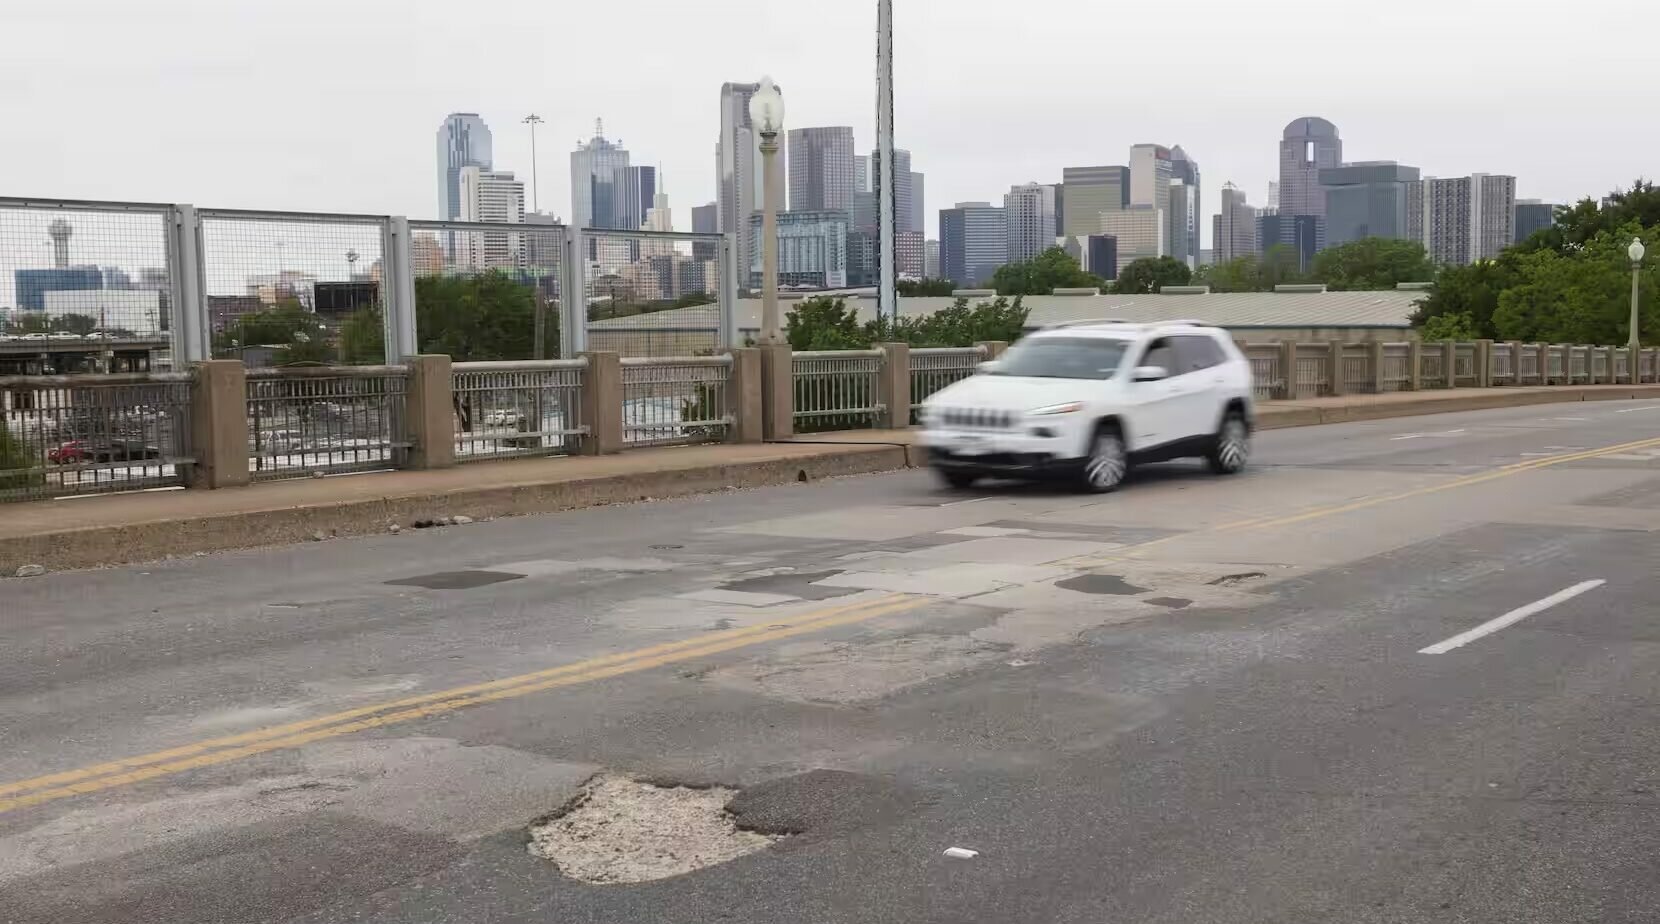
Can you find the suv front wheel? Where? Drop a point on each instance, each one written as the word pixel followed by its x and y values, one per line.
pixel 1232 446
pixel 1108 462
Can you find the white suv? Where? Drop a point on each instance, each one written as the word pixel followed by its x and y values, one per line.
pixel 1092 398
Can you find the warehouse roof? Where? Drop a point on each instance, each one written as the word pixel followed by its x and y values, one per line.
pixel 1225 309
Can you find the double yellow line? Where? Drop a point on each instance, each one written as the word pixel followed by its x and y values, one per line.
pixel 214 751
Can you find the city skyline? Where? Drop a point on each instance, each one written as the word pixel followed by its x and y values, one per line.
pixel 976 132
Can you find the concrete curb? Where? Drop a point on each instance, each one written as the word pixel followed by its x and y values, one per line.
pixel 148 540
pixel 129 543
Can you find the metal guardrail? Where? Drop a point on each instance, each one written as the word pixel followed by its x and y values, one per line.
pixel 1313 368
pixel 933 368
pixel 1267 379
pixel 1432 371
pixel 1357 369
pixel 1527 365
pixel 836 389
pixel 330 419
pixel 676 400
pixel 509 409
pixel 1464 365
pixel 1397 375
pixel 1501 365
pixel 63 435
pixel 1578 365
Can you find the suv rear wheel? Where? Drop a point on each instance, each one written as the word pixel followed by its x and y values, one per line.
pixel 957 480
pixel 1108 462
pixel 1232 446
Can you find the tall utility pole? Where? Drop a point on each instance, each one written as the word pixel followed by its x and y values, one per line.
pixel 887 303
pixel 533 120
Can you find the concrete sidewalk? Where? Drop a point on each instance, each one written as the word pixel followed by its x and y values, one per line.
pixel 106 530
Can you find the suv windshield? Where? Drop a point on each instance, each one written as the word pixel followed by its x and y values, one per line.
pixel 1063 358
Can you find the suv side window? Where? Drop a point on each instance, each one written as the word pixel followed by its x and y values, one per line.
pixel 1161 353
pixel 1195 352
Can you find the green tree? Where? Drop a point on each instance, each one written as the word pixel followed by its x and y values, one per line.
pixel 1241 274
pixel 491 316
pixel 1053 269
pixel 925 287
pixel 75 323
pixel 1577 225
pixel 824 323
pixel 1372 263
pixel 1450 327
pixel 1150 274
pixel 1278 267
pixel 19 468
pixel 363 338
pixel 29 322
pixel 1469 290
pixel 1583 296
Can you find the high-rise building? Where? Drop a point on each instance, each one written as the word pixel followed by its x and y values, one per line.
pixel 919 212
pixel 705 220
pixel 1533 215
pixel 1150 173
pixel 1101 255
pixel 1273 194
pixel 1089 192
pixel 973 242
pixel 738 166
pixel 605 191
pixel 862 258
pixel 640 188
pixel 1030 212
pixel 821 168
pixel 1140 232
pixel 1060 208
pixel 463 141
pixel 909 254
pixel 812 249
pixel 1307 146
pixel 904 196
pixel 1182 223
pixel 1462 220
pixel 1366 199
pixel 1302 234
pixel 1186 221
pixel 1234 232
pixel 488 195
pixel 931 259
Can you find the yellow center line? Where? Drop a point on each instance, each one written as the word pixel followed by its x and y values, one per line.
pixel 883 607
pixel 1314 513
pixel 215 750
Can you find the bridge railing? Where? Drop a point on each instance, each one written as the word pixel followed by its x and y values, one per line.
pixel 220 424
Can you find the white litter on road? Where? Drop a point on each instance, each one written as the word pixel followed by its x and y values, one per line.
pixel 961 853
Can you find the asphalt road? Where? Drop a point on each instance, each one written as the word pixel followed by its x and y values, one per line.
pixel 1199 699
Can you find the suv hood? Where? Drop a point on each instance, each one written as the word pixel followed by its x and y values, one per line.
pixel 1013 393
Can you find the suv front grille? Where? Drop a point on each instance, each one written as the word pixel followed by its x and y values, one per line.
pixel 977 419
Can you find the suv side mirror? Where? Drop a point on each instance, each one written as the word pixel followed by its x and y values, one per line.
pixel 1150 373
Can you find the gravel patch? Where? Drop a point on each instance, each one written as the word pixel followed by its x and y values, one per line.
pixel 620 830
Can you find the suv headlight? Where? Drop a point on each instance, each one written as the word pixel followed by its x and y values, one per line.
pixel 1054 409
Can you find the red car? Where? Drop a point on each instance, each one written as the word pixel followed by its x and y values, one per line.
pixel 70 452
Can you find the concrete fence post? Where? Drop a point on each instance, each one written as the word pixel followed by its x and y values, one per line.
pixel 602 402
pixel 219 424
pixel 1334 368
pixel 992 349
pixel 744 396
pixel 1415 365
pixel 1449 363
pixel 1288 369
pixel 1515 362
pixel 1610 376
pixel 1374 366
pixel 429 409
pixel 1637 366
pixel 1484 364
pixel 893 386
pixel 777 391
pixel 1544 362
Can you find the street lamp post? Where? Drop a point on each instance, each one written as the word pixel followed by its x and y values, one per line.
pixel 1635 252
pixel 766 113
pixel 533 120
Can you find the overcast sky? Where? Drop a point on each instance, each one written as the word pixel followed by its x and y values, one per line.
pixel 332 105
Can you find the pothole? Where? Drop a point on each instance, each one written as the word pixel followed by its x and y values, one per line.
pixel 621 830
pixel 1101 584
pixel 1230 580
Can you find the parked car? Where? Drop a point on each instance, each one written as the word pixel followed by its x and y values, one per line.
pixel 504 418
pixel 69 453
pixel 77 451
pixel 1092 399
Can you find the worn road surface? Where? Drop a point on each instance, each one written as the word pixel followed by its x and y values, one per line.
pixel 1398 671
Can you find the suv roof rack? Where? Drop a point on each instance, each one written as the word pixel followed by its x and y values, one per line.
pixel 1184 322
pixel 1086 322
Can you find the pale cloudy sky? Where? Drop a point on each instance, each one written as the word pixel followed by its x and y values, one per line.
pixel 333 104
